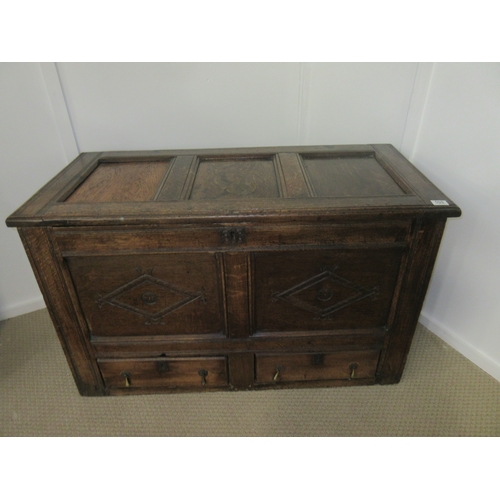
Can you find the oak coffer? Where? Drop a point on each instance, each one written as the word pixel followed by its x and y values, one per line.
pixel 235 269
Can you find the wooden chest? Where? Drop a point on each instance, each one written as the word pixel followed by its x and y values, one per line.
pixel 235 268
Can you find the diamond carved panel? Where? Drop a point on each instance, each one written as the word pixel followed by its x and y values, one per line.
pixel 150 297
pixel 325 293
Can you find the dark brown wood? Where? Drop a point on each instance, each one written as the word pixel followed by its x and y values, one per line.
pixel 92 241
pixel 349 365
pixel 241 370
pixel 201 270
pixel 72 334
pixel 293 178
pixel 235 178
pixel 172 188
pixel 148 294
pixel 333 176
pixel 120 182
pixel 423 252
pixel 327 340
pixel 385 166
pixel 164 372
pixel 318 290
pixel 237 294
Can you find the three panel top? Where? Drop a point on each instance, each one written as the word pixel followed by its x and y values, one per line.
pixel 187 185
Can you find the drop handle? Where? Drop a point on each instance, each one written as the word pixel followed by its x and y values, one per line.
pixel 279 369
pixel 203 374
pixel 353 367
pixel 126 376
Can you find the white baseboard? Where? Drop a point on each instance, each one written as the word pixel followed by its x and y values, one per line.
pixel 22 308
pixel 477 357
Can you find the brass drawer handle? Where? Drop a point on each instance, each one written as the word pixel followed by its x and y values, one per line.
pixel 353 367
pixel 203 374
pixel 126 376
pixel 279 369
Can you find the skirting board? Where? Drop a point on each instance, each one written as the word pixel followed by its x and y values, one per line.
pixel 22 308
pixel 480 359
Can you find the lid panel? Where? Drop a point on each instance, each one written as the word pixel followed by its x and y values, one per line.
pixel 235 178
pixel 121 182
pixel 337 177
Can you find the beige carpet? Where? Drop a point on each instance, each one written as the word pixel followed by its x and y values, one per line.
pixel 441 394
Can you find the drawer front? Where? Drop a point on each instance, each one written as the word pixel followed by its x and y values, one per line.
pixel 164 372
pixel 348 365
pixel 170 294
pixel 324 289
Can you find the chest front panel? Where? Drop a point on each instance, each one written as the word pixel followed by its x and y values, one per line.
pixel 170 294
pixel 325 289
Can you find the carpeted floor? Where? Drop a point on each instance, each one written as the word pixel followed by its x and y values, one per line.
pixel 441 394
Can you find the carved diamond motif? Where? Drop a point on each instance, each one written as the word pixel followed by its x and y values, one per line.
pixel 326 283
pixel 150 297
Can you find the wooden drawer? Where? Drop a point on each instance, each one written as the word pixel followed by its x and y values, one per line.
pixel 164 372
pixel 348 365
pixel 129 295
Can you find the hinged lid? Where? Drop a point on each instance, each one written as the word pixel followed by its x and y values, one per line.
pixel 227 184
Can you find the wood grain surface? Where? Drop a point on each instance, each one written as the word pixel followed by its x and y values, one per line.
pixel 120 182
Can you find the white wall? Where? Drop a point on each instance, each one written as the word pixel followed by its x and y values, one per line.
pixel 351 103
pixel 31 153
pixel 184 105
pixel 124 106
pixel 445 117
pixel 458 148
